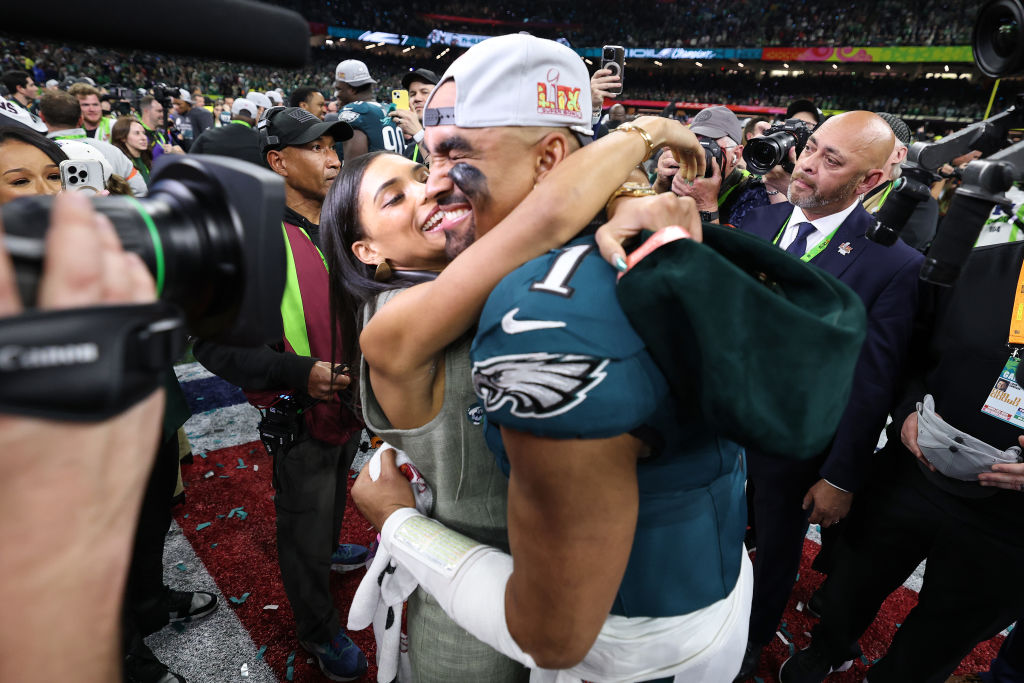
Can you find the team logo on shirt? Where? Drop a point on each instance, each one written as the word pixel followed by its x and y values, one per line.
pixel 537 385
pixel 348 116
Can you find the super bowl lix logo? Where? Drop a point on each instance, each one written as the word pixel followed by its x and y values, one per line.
pixel 553 98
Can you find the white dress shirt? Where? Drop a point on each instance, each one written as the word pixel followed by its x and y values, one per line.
pixel 823 227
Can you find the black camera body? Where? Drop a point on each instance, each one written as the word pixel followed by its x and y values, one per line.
pixel 765 153
pixel 281 424
pixel 712 150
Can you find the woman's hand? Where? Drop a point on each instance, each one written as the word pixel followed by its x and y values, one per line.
pixel 633 215
pixel 679 139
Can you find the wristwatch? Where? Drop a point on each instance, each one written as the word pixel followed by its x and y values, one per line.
pixel 708 216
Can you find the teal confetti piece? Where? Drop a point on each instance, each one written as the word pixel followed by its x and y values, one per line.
pixel 220 516
pixel 182 567
pixel 291 658
pixel 758 679
pixel 200 398
pixel 898 625
pixel 864 659
pixel 202 455
pixel 220 464
pixel 290 674
pixel 200 527
pixel 239 601
pixel 792 649
pixel 186 515
pixel 213 545
pixel 242 514
pixel 224 476
pixel 263 649
pixel 241 464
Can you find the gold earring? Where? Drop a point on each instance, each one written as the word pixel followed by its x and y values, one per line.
pixel 383 271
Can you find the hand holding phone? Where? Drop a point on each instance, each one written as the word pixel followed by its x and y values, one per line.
pixel 400 98
pixel 613 58
pixel 82 175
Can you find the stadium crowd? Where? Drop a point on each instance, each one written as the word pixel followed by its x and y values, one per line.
pixel 454 256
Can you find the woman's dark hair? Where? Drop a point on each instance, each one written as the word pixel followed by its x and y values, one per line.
pixel 119 139
pixel 352 283
pixel 30 137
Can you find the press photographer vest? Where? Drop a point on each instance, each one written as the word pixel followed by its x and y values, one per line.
pixel 306 289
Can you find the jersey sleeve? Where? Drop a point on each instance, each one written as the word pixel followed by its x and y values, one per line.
pixel 359 119
pixel 555 356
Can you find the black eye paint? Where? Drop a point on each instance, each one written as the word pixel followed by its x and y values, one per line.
pixel 471 181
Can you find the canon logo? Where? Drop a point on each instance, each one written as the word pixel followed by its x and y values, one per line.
pixel 36 357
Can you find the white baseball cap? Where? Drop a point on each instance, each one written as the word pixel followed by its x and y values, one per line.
pixel 184 95
pixel 242 104
pixel 52 83
pixel 15 113
pixel 353 72
pixel 275 97
pixel 259 98
pixel 516 80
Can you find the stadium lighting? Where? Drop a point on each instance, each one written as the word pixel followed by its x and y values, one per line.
pixel 698 64
pixel 785 65
pixel 888 68
pixel 588 61
pixel 835 66
pixel 407 49
pixel 660 64
pixel 739 64
pixel 370 47
pixel 946 68
pixel 341 40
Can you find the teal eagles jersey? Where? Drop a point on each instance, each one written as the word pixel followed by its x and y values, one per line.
pixel 372 119
pixel 555 356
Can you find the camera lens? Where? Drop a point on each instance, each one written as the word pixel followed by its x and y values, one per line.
pixel 209 231
pixel 998 42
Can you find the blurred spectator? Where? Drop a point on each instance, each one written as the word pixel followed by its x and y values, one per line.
pixel 262 102
pixel 237 139
pixel 805 110
pixel 192 120
pixel 129 136
pixel 22 89
pixel 373 129
pixel 93 122
pixel 419 83
pixel 310 99
pixel 151 115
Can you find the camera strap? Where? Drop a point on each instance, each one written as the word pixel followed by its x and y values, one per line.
pixel 86 364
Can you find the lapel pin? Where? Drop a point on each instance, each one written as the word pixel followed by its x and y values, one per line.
pixel 845 248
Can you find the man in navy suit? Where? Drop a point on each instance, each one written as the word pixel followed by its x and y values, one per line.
pixel 824 224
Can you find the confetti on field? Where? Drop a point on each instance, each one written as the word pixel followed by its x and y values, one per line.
pixel 799 607
pixel 182 567
pixel 208 474
pixel 200 527
pixel 213 545
pixel 290 674
pixel 224 476
pixel 291 658
pixel 239 601
pixel 201 454
pixel 782 637
pixel 270 607
pixel 255 468
pixel 238 512
pixel 263 649
pixel 241 464
pixel 220 464
pixel 245 670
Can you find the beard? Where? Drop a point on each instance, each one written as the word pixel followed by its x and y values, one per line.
pixel 817 200
pixel 457 242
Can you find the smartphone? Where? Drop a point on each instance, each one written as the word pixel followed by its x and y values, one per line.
pixel 400 98
pixel 82 175
pixel 613 57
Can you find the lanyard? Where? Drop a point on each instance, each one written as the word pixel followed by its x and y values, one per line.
pixel 243 123
pixel 70 137
pixel 817 249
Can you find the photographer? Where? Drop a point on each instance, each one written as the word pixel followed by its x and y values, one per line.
pixel 715 193
pixel 161 140
pixel 298 383
pixel 56 565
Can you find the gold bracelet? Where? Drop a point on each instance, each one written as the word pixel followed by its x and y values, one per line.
pixel 630 190
pixel 627 127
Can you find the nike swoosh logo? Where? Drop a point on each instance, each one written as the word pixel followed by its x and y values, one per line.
pixel 512 326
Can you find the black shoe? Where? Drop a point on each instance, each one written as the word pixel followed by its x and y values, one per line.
pixel 189 605
pixel 142 666
pixel 809 666
pixel 751 657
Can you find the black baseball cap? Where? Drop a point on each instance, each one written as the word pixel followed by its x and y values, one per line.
pixel 798 106
pixel 425 75
pixel 293 126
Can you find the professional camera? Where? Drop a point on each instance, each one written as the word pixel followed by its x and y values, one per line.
pixel 209 231
pixel 768 151
pixel 998 41
pixel 712 150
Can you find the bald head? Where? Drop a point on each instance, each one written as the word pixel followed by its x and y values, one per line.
pixel 869 137
pixel 844 158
